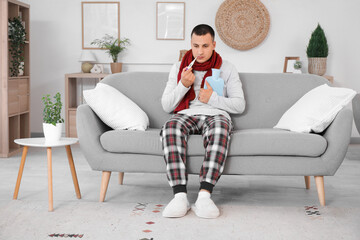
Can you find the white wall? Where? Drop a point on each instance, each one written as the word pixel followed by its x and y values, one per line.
pixel 56 40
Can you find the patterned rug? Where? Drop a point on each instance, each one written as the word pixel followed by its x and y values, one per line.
pixel 143 221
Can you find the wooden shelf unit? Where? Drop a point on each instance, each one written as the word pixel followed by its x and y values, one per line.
pixel 71 98
pixel 15 91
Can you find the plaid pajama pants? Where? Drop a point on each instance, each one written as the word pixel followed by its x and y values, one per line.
pixel 215 131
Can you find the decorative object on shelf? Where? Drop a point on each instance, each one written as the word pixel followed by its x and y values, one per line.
pixel 170 20
pixel 98 68
pixel 99 18
pixel 116 67
pixel 114 47
pixel 317 52
pixel 53 121
pixel 242 24
pixel 17 37
pixel 297 67
pixel 289 64
pixel 87 57
pixel 21 69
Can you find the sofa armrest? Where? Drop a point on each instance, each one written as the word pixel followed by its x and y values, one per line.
pixel 337 136
pixel 89 129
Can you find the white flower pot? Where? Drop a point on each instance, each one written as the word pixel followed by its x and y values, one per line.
pixel 52 133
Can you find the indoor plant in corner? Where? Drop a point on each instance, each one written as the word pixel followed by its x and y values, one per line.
pixel 114 47
pixel 317 52
pixel 17 38
pixel 53 121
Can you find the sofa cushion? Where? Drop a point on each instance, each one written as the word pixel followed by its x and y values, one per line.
pixel 316 109
pixel 243 142
pixel 115 109
pixel 276 142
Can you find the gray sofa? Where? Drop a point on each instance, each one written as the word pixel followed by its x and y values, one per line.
pixel 256 148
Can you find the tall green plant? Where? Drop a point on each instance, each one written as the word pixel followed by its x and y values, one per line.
pixel 52 110
pixel 113 45
pixel 17 37
pixel 318 46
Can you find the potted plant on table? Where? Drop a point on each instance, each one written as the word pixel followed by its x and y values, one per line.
pixel 297 66
pixel 317 52
pixel 53 121
pixel 114 47
pixel 17 38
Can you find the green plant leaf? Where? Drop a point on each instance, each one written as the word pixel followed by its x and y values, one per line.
pixel 52 110
pixel 113 45
pixel 17 37
pixel 318 46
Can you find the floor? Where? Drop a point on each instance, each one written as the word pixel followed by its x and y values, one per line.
pixel 252 207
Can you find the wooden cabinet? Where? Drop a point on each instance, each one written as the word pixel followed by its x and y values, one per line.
pixel 73 97
pixel 15 91
pixel 18 96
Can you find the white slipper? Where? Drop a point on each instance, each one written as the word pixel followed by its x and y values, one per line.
pixel 177 207
pixel 205 208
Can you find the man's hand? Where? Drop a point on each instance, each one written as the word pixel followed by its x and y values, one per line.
pixel 205 94
pixel 187 77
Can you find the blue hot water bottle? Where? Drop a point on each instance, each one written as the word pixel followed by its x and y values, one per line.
pixel 215 81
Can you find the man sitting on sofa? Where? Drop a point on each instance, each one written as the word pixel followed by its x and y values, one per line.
pixel 198 110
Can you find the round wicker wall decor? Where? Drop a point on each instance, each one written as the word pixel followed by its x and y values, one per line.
pixel 242 24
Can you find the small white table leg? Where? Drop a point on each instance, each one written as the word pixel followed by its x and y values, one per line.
pixel 50 186
pixel 21 169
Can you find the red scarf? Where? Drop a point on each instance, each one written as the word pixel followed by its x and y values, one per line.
pixel 214 62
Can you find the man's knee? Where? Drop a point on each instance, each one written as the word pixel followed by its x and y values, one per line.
pixel 220 125
pixel 173 128
pixel 175 123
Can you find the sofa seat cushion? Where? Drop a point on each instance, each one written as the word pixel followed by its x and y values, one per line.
pixel 243 142
pixel 140 142
pixel 275 142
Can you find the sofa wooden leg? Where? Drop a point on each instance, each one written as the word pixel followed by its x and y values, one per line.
pixel 307 182
pixel 319 180
pixel 121 178
pixel 104 184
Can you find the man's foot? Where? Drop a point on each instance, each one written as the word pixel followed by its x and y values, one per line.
pixel 204 207
pixel 177 207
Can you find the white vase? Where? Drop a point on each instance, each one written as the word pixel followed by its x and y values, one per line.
pixel 52 133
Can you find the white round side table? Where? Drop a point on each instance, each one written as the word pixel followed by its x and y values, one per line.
pixel 40 142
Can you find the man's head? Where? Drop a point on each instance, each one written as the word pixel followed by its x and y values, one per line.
pixel 202 42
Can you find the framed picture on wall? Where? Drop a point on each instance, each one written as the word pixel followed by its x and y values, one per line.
pixel 99 19
pixel 182 53
pixel 289 64
pixel 170 20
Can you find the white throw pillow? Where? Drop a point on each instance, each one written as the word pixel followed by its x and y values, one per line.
pixel 115 109
pixel 316 109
